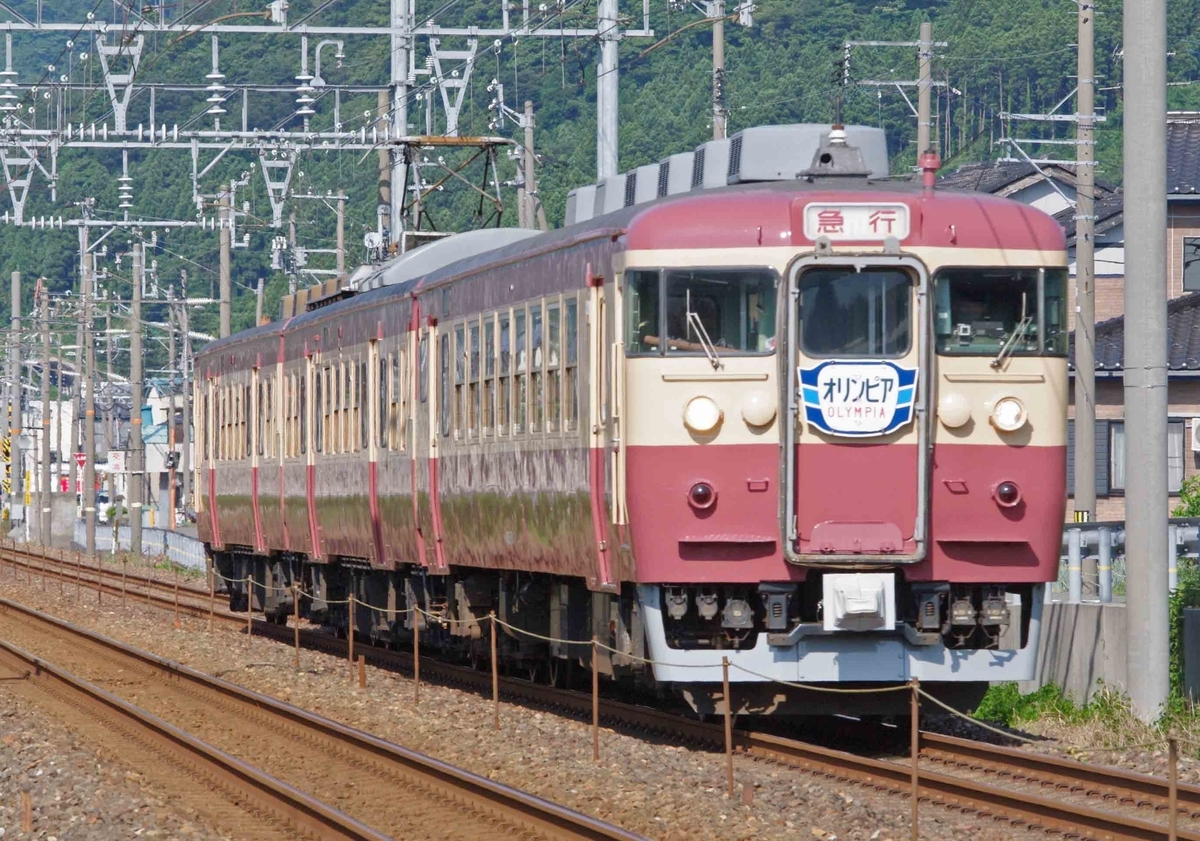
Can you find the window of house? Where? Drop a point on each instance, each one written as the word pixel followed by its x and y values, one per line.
pixel 1191 264
pixel 1176 430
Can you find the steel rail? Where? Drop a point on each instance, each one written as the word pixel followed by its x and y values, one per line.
pixel 1139 790
pixel 521 808
pixel 263 792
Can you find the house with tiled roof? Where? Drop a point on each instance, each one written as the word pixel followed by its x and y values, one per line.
pixel 1183 402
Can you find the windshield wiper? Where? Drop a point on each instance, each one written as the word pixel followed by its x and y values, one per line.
pixel 1017 334
pixel 693 321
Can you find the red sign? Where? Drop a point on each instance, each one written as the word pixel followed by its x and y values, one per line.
pixel 81 459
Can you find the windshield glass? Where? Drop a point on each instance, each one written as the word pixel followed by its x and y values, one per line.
pixel 733 309
pixel 980 311
pixel 851 313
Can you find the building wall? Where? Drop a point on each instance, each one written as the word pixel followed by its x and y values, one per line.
pixel 1110 297
pixel 1183 401
pixel 1183 220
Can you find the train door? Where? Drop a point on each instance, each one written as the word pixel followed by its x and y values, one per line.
pixel 857 446
pixel 423 418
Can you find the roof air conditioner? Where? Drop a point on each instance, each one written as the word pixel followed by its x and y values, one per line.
pixel 1196 435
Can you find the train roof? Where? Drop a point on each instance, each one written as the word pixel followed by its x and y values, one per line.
pixel 700 220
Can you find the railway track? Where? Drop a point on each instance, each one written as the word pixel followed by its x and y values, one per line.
pixel 1022 787
pixel 332 781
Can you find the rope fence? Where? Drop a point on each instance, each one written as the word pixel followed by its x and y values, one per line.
pixel 496 624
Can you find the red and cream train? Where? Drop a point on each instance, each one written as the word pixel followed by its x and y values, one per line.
pixel 816 426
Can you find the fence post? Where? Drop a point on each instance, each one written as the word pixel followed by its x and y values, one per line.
pixel 728 725
pixel 212 598
pixel 1173 784
pixel 416 655
pixel 1104 564
pixel 124 562
pixel 362 671
pixel 595 699
pixel 350 630
pixel 1172 557
pixel 495 677
pixel 915 748
pixel 176 596
pixel 99 576
pixel 1074 566
pixel 249 608
pixel 78 576
pixel 296 620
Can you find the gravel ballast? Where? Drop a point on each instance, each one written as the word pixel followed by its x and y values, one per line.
pixel 663 791
pixel 74 792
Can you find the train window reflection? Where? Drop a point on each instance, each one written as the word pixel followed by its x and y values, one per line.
pixel 848 313
pixel 983 311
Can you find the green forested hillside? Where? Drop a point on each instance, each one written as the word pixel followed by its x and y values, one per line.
pixel 1016 55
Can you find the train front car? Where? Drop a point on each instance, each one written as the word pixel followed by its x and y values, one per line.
pixel 844 422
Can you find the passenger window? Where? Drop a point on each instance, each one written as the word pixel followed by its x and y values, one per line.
pixel 422 368
pixel 553 361
pixel 522 365
pixel 538 360
pixel 460 359
pixel 302 413
pixel 473 424
pixel 445 384
pixel 363 405
pixel 385 406
pixel 849 313
pixel 321 420
pixel 489 374
pixel 505 396
pixel 570 371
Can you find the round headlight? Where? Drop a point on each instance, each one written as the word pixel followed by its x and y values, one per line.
pixel 953 410
pixel 758 408
pixel 1009 415
pixel 702 414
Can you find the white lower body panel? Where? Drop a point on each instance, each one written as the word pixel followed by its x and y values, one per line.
pixel 838 658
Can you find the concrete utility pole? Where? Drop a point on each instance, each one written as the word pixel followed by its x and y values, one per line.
pixel 89 406
pixel 226 277
pixel 533 215
pixel 258 304
pixel 188 408
pixel 1085 279
pixel 924 83
pixel 293 274
pixel 341 233
pixel 1145 142
pixel 108 409
pixel 607 99
pixel 720 116
pixel 171 412
pixel 383 211
pixel 401 22
pixel 47 491
pixel 14 384
pixel 137 460
pixel 74 431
